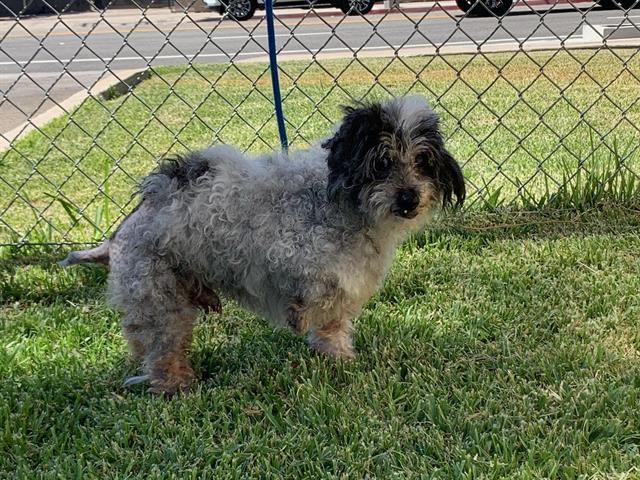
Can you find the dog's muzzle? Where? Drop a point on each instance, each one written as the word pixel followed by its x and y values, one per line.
pixel 406 204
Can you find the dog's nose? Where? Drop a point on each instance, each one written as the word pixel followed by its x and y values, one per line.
pixel 408 200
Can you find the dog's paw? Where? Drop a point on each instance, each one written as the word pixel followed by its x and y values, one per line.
pixel 170 387
pixel 171 376
pixel 333 340
pixel 342 354
pixel 332 349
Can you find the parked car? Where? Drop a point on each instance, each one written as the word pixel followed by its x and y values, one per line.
pixel 244 9
pixel 484 7
pixel 501 7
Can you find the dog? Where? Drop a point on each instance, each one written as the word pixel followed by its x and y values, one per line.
pixel 303 239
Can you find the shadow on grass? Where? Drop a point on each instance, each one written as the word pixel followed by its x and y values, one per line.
pixel 485 228
pixel 36 278
pixel 261 361
pixel 254 355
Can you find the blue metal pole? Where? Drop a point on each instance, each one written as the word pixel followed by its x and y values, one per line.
pixel 275 82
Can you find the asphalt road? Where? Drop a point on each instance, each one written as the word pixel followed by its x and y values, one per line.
pixel 36 66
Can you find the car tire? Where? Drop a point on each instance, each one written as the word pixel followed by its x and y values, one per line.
pixel 485 8
pixel 464 5
pixel 618 4
pixel 240 10
pixel 360 7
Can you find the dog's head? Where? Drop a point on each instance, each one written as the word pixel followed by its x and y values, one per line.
pixel 389 160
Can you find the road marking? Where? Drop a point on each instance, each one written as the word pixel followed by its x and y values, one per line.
pixel 24 63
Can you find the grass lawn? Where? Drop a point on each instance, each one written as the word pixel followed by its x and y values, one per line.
pixel 503 347
pixel 517 121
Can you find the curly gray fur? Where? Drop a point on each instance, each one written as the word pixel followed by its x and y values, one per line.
pixel 303 239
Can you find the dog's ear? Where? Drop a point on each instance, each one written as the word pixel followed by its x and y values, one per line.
pixel 329 142
pixel 451 180
pixel 357 135
pixel 438 164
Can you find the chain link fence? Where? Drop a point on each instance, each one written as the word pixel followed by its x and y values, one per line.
pixel 536 98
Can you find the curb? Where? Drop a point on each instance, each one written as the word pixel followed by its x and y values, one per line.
pixel 601 33
pixel 531 46
pixel 116 84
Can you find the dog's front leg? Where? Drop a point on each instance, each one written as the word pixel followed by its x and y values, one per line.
pixel 332 338
pixel 323 311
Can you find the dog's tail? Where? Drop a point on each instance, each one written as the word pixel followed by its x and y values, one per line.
pixel 100 254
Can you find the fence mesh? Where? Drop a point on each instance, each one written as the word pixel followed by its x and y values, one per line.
pixel 531 101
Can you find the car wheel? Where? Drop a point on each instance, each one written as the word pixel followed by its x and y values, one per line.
pixel 485 8
pixel 618 4
pixel 240 10
pixel 356 7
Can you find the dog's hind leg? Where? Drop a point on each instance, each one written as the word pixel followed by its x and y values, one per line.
pixel 158 322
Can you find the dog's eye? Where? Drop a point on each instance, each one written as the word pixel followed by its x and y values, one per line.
pixel 382 164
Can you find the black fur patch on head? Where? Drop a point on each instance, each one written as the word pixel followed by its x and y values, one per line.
pixel 350 149
pixel 357 157
pixel 184 170
pixel 438 164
